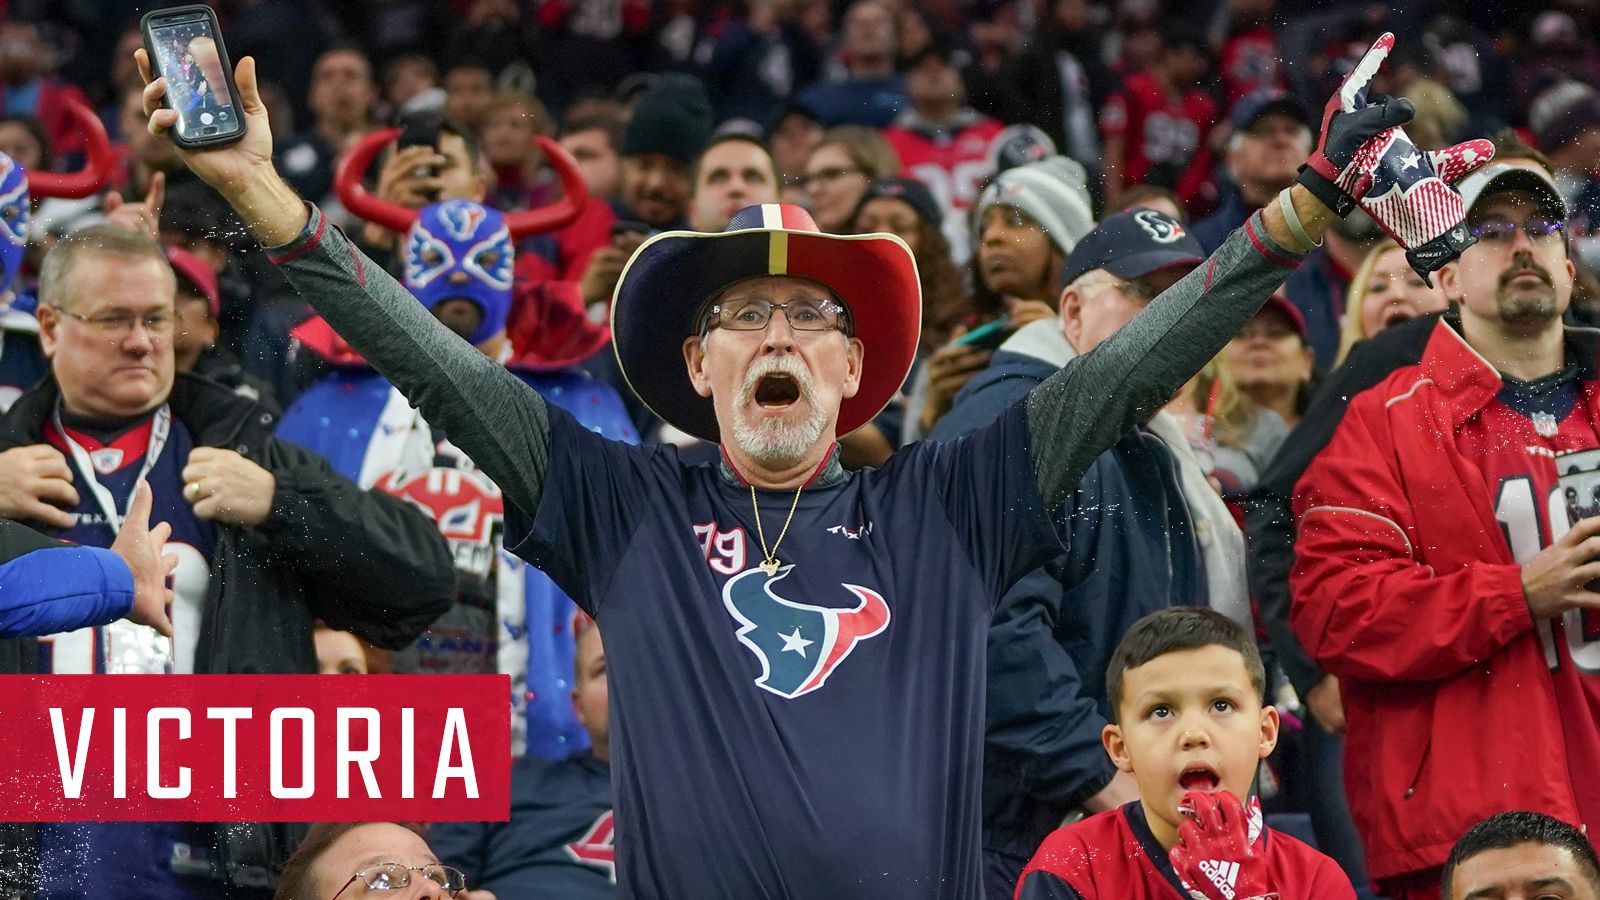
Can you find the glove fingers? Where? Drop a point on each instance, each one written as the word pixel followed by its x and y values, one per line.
pixel 1353 91
pixel 1456 163
pixel 1398 112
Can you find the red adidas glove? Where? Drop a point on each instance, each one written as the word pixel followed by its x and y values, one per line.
pixel 1214 855
pixel 1364 156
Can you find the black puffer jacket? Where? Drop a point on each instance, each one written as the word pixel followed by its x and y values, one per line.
pixel 363 562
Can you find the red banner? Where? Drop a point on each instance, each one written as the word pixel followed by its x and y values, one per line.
pixel 255 748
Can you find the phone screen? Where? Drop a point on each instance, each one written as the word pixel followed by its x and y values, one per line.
pixel 197 86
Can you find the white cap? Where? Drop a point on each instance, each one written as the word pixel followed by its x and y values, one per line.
pixel 1504 176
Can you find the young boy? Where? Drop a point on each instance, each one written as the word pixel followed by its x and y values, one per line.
pixel 1185 687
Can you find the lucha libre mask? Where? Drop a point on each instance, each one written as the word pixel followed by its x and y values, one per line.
pixel 13 222
pixel 462 249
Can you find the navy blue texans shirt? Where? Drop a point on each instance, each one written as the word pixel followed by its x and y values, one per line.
pixel 839 700
pixel 133 860
pixel 558 843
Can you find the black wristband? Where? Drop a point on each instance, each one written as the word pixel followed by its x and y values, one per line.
pixel 1326 191
pixel 1429 257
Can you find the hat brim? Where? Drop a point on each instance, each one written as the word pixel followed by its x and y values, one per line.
pixel 1139 265
pixel 1497 177
pixel 672 275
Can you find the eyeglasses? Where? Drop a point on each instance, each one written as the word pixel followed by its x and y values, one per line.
pixel 826 176
pixel 120 324
pixel 393 877
pixel 753 314
pixel 1500 232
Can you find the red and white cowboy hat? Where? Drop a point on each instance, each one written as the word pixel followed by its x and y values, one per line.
pixel 672 276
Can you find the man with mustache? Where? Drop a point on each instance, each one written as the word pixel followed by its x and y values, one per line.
pixel 1448 547
pixel 797 693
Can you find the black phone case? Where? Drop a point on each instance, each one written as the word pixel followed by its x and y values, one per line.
pixel 145 24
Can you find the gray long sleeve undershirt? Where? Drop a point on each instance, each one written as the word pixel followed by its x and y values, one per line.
pixel 502 424
pixel 1080 411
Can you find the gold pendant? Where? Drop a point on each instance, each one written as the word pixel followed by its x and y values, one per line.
pixel 769 566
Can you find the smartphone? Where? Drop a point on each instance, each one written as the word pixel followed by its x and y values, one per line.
pixel 185 47
pixel 421 131
pixel 988 336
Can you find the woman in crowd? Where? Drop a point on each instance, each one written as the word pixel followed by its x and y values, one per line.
pixel 848 158
pixel 1385 291
pixel 1271 360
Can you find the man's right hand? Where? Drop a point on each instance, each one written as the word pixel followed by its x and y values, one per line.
pixel 404 178
pixel 1557 579
pixel 36 486
pixel 140 547
pixel 242 171
pixel 229 166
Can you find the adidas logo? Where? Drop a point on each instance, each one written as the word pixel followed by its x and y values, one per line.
pixel 1223 873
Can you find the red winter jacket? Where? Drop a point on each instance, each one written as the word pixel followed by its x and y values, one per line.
pixel 1404 587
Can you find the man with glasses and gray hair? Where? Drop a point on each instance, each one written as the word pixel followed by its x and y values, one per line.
pixel 802 705
pixel 297 542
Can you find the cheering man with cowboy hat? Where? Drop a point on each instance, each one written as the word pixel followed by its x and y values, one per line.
pixel 796 652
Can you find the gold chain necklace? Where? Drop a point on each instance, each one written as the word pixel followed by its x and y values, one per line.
pixel 769 558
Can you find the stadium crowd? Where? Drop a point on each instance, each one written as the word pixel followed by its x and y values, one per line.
pixel 1384 490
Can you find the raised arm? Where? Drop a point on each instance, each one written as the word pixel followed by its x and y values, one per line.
pixel 1079 411
pixel 499 421
pixel 1362 157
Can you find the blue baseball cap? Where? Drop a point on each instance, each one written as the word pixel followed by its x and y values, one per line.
pixel 1253 106
pixel 1132 244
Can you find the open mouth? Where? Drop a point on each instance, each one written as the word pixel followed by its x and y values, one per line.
pixel 1199 778
pixel 1398 316
pixel 776 391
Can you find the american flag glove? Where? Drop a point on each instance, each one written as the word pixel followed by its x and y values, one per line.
pixel 1363 156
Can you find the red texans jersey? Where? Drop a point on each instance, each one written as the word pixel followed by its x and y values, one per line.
pixel 1539 452
pixel 1160 132
pixel 953 163
pixel 1115 856
pixel 1249 63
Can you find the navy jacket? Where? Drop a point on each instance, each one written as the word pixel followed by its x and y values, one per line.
pixel 1130 549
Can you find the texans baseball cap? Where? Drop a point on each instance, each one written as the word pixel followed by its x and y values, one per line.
pixel 1132 244
pixel 1289 311
pixel 1514 176
pixel 1254 106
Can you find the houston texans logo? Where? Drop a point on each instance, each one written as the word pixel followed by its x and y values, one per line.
pixel 597 847
pixel 1402 166
pixel 1160 228
pixel 799 645
pixel 461 218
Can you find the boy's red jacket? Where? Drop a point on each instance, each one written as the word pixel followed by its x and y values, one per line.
pixel 1405 588
pixel 1114 856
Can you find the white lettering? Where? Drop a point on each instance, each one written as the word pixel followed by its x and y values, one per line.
pixel 71 775
pixel 119 753
pixel 408 754
pixel 455 731
pixel 230 716
pixel 363 758
pixel 152 751
pixel 307 765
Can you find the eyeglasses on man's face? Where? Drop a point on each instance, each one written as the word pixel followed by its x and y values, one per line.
pixel 120 324
pixel 755 313
pixel 1498 232
pixel 394 876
